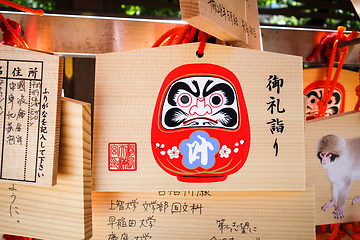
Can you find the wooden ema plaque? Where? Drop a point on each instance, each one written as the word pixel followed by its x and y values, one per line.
pixel 63 211
pixel 356 4
pixel 332 164
pixel 166 119
pixel 208 215
pixel 30 88
pixel 235 22
pixel 344 97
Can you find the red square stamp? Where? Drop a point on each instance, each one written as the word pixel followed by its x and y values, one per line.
pixel 122 157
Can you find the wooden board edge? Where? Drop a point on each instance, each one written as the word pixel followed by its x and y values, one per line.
pixel 189 9
pixel 83 110
pixel 331 117
pixel 87 179
pixel 78 102
pixel 58 122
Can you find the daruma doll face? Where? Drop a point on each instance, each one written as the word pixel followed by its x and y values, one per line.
pixel 315 92
pixel 200 129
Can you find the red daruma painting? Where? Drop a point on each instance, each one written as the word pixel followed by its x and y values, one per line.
pixel 200 129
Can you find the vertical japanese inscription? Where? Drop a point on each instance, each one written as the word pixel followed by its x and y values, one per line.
pixel 20 111
pixel 276 124
pixel 230 17
pixel 13 208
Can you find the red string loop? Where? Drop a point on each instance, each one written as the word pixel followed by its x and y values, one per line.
pixel 10 28
pixel 328 40
pixel 338 231
pixel 321 229
pixel 357 92
pixel 181 35
pixel 13 237
pixel 203 37
pixel 330 84
pixel 13 31
pixel 22 8
pixel 8 37
pixel 334 231
pixel 190 36
pixel 163 38
pixel 356 231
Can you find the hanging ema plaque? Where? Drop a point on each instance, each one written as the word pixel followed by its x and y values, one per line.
pixel 30 86
pixel 165 118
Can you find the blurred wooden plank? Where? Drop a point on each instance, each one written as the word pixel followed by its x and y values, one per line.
pixel 252 28
pixel 356 4
pixel 30 88
pixel 62 211
pixel 209 215
pixel 235 22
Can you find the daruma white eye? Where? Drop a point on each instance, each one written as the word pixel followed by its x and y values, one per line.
pixel 216 100
pixel 184 100
pixel 312 100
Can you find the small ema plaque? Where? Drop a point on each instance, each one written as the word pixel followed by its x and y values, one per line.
pixel 30 87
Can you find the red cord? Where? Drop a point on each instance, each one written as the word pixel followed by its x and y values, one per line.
pixel 13 31
pixel 13 237
pixel 181 35
pixel 190 36
pixel 321 229
pixel 337 233
pixel 322 104
pixel 329 39
pixel 357 92
pixel 203 37
pixel 355 228
pixel 8 37
pixel 169 41
pixel 165 36
pixel 22 8
pixel 334 231
pixel 8 40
